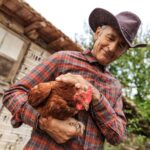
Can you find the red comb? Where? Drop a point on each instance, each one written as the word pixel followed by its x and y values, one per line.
pixel 86 98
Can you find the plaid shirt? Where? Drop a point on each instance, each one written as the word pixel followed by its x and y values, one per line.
pixel 104 120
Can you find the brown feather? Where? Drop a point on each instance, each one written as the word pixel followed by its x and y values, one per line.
pixel 54 99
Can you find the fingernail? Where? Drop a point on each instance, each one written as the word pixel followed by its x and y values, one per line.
pixel 57 78
pixel 77 85
pixel 86 87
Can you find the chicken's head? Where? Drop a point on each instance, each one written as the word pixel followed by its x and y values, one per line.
pixel 83 99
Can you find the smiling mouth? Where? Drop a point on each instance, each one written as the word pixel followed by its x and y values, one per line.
pixel 107 54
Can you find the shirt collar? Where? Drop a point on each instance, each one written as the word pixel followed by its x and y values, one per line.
pixel 88 55
pixel 91 59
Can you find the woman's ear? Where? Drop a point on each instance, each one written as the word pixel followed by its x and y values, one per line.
pixel 97 32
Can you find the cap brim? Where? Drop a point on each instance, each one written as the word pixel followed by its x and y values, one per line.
pixel 100 17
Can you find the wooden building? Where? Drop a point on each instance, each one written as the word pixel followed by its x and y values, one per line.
pixel 26 39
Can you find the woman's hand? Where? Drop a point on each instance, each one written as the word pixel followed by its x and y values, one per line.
pixel 61 130
pixel 79 82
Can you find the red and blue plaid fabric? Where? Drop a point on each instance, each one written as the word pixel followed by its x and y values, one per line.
pixel 104 120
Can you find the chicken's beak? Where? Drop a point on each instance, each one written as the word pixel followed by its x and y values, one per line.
pixel 86 106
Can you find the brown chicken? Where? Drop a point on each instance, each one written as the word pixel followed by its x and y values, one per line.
pixel 58 99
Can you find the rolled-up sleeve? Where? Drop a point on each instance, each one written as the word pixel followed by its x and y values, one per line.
pixel 16 97
pixel 110 120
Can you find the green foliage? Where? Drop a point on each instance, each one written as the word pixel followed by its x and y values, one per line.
pixel 132 143
pixel 145 106
pixel 133 70
pixel 86 40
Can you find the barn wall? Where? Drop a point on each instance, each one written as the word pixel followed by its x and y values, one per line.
pixel 34 56
pixel 10 138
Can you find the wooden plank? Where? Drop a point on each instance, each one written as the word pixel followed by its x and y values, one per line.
pixel 15 26
pixel 34 26
pixel 3 19
pixel 24 13
pixel 57 44
pixel 49 33
pixel 33 35
pixel 2 2
pixel 13 5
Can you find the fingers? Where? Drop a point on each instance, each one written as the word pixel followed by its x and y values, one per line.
pixel 70 120
pixel 77 127
pixel 62 130
pixel 77 80
pixel 81 86
pixel 67 78
pixel 82 128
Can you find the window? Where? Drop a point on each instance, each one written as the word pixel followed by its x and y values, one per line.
pixel 12 49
